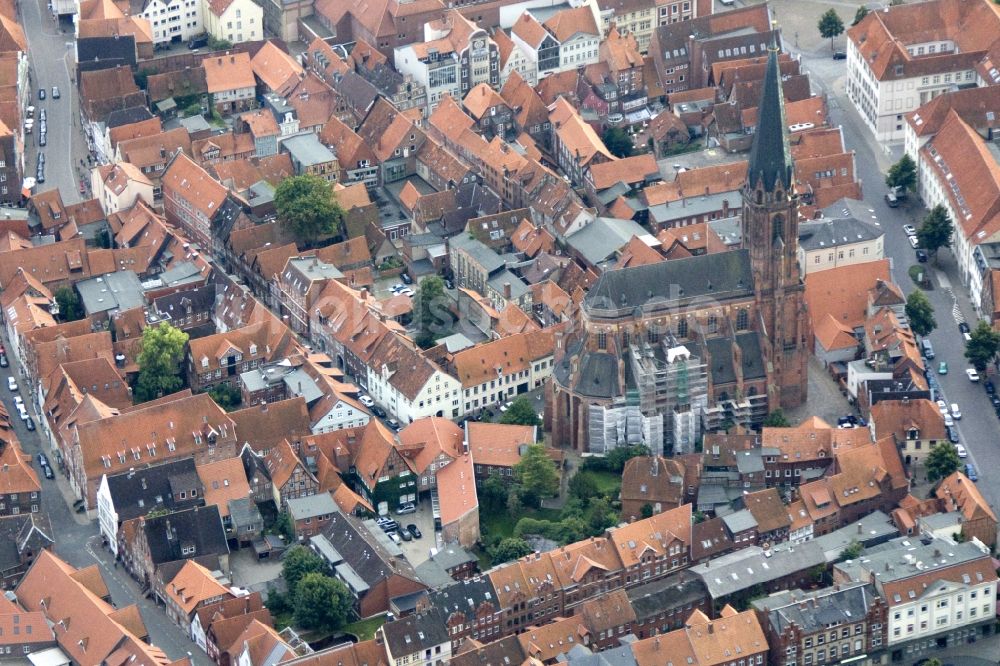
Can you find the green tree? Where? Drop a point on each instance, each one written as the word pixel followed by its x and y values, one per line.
pixel 859 15
pixel 935 231
pixel 620 455
pixel 942 461
pixel 298 562
pixel 584 485
pixel 920 313
pixel 852 551
pixel 70 308
pixel 508 549
pixel 515 500
pixel 983 346
pixel 160 352
pixel 431 312
pixel 830 25
pixel 776 419
pixel 103 238
pixel 493 494
pixel 226 396
pixel 902 174
pixel 283 526
pixel 321 602
pixel 646 511
pixel 307 206
pixel 618 142
pixel 521 412
pixel 536 473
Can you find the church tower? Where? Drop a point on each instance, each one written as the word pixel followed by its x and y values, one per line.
pixel 770 227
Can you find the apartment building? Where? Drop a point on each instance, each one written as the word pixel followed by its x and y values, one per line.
pixel 173 20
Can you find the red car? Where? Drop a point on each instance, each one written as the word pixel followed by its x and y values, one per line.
pixel 83 186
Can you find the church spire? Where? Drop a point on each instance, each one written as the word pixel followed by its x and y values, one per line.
pixel 770 157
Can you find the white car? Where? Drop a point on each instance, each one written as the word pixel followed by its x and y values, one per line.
pixel 909 230
pixel 956 413
pixel 972 374
pixel 405 292
pixel 12 384
pixel 942 407
pixel 366 401
pixel 948 421
pixel 18 400
pixel 396 288
pixel 960 450
pixel 914 242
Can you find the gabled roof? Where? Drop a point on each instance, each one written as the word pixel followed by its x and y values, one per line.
pixel 276 69
pixel 228 72
pixel 653 534
pixel 193 585
pixel 568 23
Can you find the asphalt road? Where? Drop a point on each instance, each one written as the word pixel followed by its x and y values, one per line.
pixel 979 427
pixel 52 64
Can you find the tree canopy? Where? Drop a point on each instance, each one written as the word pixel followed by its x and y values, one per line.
pixel 536 473
pixel 161 351
pixel 920 313
pixel 296 564
pixel 830 25
pixel 510 548
pixel 942 461
pixel 521 412
pixel 935 231
pixel 70 307
pixel 776 419
pixel 902 174
pixel 618 142
pixel 430 309
pixel 307 206
pixel 859 15
pixel 983 346
pixel 321 602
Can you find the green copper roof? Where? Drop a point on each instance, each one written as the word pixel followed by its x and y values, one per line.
pixel 770 157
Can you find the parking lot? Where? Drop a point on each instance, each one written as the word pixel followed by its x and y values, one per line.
pixel 417 551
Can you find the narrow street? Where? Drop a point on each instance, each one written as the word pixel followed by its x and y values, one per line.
pixel 52 56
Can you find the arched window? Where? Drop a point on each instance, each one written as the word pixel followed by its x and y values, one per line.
pixel 777 226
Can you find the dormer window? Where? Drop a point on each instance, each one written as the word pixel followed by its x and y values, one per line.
pixel 253 349
pixel 913 433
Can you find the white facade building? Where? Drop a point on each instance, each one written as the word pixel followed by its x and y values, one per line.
pixel 174 20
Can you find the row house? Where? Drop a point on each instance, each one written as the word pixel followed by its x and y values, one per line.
pixel 192 588
pixel 455 56
pixel 288 475
pixel 566 40
pixel 231 83
pixel 916 426
pixel 665 605
pixel 20 489
pixel 409 385
pixel 470 609
pixel 640 17
pixel 575 143
pixel 221 358
pixel 192 199
pixel 958 494
pixel 707 642
pixel 497 371
pixel 298 286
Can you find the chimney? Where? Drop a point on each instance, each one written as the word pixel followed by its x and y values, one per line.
pixel 725 208
pixel 711 628
pixel 263 406
pixel 859 528
pixel 506 290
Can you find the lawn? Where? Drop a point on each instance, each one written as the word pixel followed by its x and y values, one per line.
pixel 501 523
pixel 365 629
pixel 608 482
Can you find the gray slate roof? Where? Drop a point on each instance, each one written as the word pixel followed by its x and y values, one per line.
pixel 831 233
pixel 740 521
pixel 200 528
pixel 667 284
pixel 843 604
pixel 415 633
pixel 137 493
pixel 601 239
pixel 120 290
pixel 311 506
pixel 770 157
pixel 747 567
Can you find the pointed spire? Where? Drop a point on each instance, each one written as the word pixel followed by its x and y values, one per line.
pixel 770 157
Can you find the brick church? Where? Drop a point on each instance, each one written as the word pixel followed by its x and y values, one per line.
pixel 662 352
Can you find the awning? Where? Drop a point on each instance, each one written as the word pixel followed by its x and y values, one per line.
pixel 638 116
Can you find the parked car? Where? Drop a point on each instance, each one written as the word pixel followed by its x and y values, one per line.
pixel 405 508
pixel 395 537
pixel 414 530
pixel 504 407
pixel 393 424
pixel 42 115
pixel 953 436
pixel 943 368
pixel 972 374
pixel 47 471
pixel 948 421
pixel 988 385
pixel 396 288
pixel 960 450
pixel 909 230
pixel 3 361
pixel 43 139
pixel 41 93
pixel 922 256
pixel 839 55
pixel 12 385
pixel 366 401
pixel 55 92
pixel 43 460
pixel 405 535
pixel 914 242
pixel 956 413
pixel 963 327
pixel 970 471
pixel 942 407
pixel 389 526
pixel 405 277
pixel 406 292
pixel 198 42
pixel 378 411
